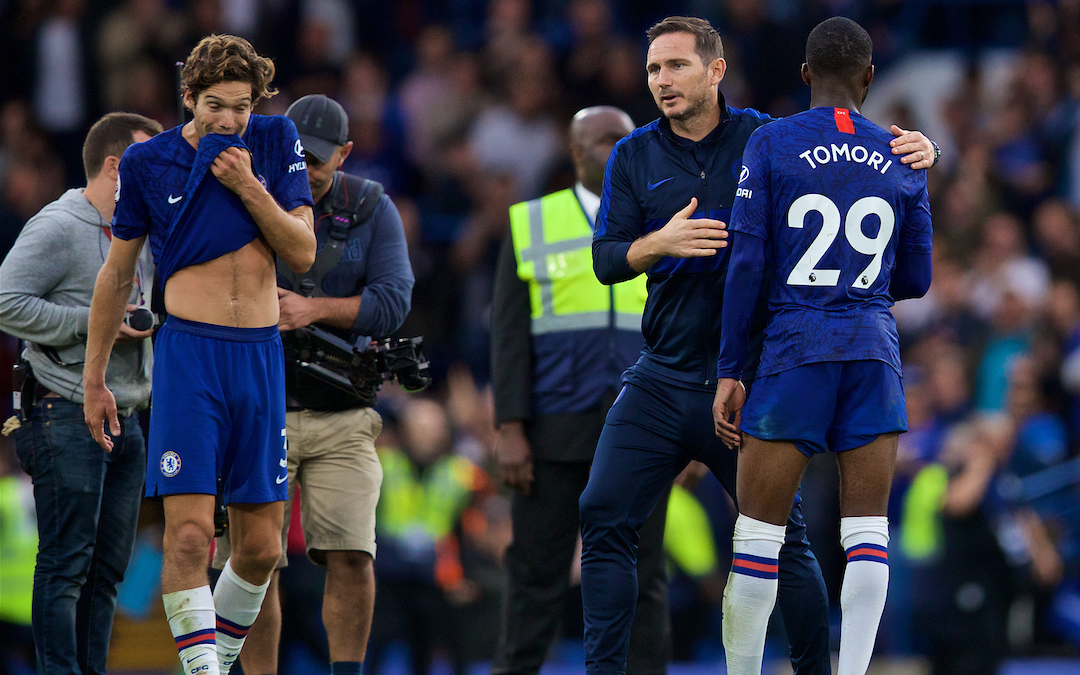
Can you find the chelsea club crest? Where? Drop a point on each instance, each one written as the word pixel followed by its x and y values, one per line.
pixel 170 464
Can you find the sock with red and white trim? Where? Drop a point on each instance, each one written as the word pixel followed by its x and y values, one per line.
pixel 191 619
pixel 750 593
pixel 238 603
pixel 866 583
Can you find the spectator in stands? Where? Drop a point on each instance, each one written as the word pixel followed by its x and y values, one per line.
pixel 377 125
pixel 520 127
pixel 132 33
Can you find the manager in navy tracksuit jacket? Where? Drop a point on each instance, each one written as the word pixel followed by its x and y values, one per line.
pixel 662 419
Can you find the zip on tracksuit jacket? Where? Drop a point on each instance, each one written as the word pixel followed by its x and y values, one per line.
pixel 651 175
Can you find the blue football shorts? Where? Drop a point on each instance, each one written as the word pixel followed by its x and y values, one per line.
pixel 831 405
pixel 218 409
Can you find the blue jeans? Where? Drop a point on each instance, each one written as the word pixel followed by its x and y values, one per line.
pixel 87 509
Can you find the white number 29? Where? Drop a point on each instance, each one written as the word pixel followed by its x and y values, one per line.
pixel 805 272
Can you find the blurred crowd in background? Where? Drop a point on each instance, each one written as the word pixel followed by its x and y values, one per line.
pixel 459 107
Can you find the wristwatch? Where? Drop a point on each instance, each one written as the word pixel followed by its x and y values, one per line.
pixel 937 151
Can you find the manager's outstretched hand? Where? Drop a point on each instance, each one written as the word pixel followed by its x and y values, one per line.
pixel 680 237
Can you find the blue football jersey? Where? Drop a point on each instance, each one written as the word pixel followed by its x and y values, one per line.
pixel 834 205
pixel 153 190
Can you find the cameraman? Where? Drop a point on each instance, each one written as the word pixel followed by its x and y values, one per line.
pixel 87 500
pixel 359 287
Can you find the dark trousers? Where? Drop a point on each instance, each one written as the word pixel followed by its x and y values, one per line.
pixel 652 431
pixel 545 525
pixel 87 510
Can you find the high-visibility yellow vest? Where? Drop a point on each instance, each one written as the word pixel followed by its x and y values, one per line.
pixel 553 245
pixel 921 534
pixel 688 537
pixel 432 503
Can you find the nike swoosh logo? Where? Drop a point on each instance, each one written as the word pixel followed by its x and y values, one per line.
pixel 282 479
pixel 173 200
pixel 653 186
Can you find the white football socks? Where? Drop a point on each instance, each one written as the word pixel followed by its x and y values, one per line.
pixel 238 603
pixel 866 583
pixel 191 618
pixel 750 593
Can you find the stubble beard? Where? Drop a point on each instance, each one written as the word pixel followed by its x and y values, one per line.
pixel 693 109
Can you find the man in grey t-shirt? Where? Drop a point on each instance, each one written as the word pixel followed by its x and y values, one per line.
pixel 87 500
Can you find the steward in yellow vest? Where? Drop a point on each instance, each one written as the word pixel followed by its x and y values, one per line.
pixel 584 333
pixel 560 341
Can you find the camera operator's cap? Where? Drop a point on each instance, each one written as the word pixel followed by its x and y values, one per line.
pixel 322 123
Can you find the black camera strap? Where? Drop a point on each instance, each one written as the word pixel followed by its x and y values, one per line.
pixel 351 201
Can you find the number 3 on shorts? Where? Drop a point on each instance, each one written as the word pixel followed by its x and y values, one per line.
pixel 805 272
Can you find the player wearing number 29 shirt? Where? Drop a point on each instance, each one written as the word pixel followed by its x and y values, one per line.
pixel 667 195
pixel 835 213
pixel 835 230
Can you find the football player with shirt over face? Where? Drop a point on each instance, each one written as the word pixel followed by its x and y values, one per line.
pixel 218 197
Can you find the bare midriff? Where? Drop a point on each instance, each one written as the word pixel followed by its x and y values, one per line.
pixel 238 289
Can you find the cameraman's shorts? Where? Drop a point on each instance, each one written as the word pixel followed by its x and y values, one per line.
pixel 836 405
pixel 218 408
pixel 332 460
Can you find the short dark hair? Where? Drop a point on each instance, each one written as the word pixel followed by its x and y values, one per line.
pixel 110 136
pixel 707 42
pixel 227 58
pixel 838 47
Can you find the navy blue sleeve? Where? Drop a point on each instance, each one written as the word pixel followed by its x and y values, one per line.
pixel 917 231
pixel 387 295
pixel 748 214
pixel 914 251
pixel 746 272
pixel 131 219
pixel 911 276
pixel 290 186
pixel 619 222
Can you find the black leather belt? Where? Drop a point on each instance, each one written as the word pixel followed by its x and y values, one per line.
pixel 41 391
